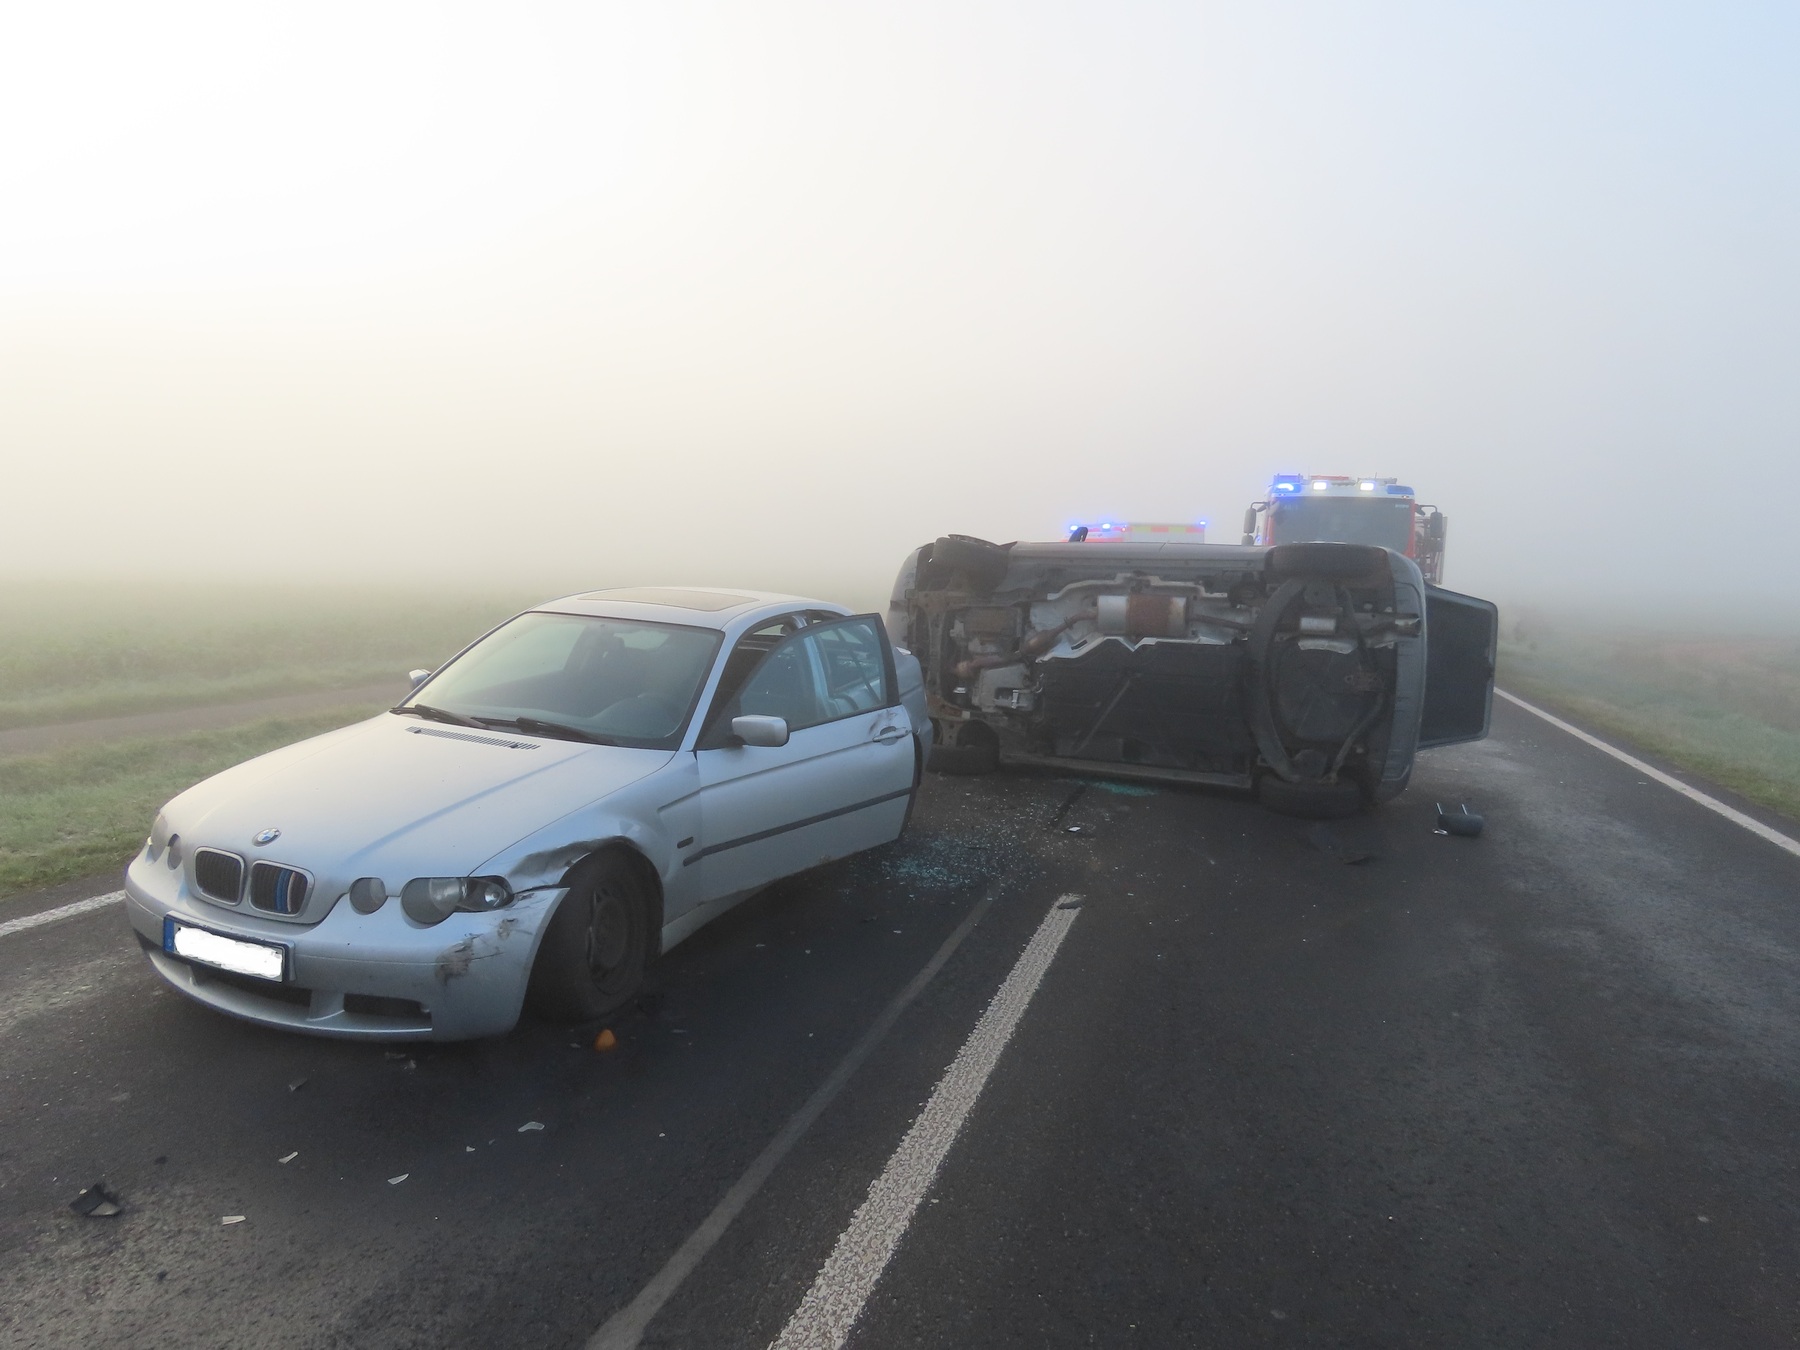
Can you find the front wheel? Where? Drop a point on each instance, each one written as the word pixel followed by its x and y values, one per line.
pixel 592 958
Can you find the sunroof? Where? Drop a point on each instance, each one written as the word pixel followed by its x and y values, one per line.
pixel 710 601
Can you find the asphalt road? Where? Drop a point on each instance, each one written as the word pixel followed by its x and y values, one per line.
pixel 1537 1088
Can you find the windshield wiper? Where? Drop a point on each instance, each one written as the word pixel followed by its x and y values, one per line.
pixel 436 714
pixel 539 727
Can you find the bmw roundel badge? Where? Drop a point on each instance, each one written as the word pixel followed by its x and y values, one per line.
pixel 267 836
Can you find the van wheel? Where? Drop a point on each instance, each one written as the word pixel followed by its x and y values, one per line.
pixel 982 565
pixel 1310 801
pixel 592 958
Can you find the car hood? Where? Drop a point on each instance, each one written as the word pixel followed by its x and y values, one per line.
pixel 396 798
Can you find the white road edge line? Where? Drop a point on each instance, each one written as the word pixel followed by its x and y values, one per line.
pixel 61 912
pixel 843 1285
pixel 1736 817
pixel 624 1330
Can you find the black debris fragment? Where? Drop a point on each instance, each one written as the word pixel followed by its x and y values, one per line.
pixel 96 1202
pixel 1464 823
pixel 296 1085
pixel 1074 796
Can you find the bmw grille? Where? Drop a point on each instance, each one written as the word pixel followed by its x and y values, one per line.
pixel 219 875
pixel 278 889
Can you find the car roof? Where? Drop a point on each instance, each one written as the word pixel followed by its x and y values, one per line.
pixel 694 606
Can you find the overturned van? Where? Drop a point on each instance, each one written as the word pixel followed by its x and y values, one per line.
pixel 1310 673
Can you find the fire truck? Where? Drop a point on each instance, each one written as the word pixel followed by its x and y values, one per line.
pixel 1308 508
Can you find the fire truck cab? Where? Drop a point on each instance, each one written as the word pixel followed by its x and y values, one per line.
pixel 1310 508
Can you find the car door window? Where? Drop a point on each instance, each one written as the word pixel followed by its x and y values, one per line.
pixel 814 676
pixel 783 686
pixel 853 668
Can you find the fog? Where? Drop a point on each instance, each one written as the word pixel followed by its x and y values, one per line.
pixel 558 296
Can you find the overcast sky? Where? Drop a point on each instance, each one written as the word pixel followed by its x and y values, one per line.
pixel 769 293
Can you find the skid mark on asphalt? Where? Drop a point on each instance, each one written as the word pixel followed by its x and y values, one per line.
pixel 830 1309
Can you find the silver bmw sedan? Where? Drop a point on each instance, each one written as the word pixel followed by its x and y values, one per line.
pixel 570 796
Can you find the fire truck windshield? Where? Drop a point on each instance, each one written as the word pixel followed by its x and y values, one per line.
pixel 1386 521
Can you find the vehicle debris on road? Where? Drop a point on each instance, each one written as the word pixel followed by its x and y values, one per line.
pixel 1464 823
pixel 97 1202
pixel 531 1125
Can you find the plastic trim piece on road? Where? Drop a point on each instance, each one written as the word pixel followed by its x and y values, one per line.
pixel 60 912
pixel 1736 817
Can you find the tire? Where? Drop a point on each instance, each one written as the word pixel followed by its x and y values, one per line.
pixel 1326 562
pixel 591 961
pixel 977 751
pixel 981 564
pixel 1310 801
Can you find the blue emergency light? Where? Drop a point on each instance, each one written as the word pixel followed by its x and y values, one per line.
pixel 1287 482
pixel 1395 490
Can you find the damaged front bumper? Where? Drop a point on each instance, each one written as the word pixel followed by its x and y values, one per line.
pixel 373 976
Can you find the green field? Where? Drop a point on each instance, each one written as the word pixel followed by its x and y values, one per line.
pixel 85 810
pixel 70 651
pixel 1727 708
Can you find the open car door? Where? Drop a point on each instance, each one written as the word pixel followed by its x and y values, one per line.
pixel 840 783
pixel 1462 636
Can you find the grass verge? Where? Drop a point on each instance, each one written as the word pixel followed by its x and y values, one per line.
pixel 70 652
pixel 1728 711
pixel 87 809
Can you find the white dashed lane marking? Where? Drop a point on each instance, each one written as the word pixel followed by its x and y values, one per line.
pixel 624 1330
pixel 825 1316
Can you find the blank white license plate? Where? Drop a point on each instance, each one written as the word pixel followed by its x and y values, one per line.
pixel 262 959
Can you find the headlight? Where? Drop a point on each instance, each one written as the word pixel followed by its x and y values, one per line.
pixel 429 900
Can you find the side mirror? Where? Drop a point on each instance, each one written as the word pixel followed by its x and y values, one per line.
pixel 768 732
pixel 1250 523
pixel 416 677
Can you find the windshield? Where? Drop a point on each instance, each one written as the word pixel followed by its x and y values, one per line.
pixel 612 680
pixel 1386 521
